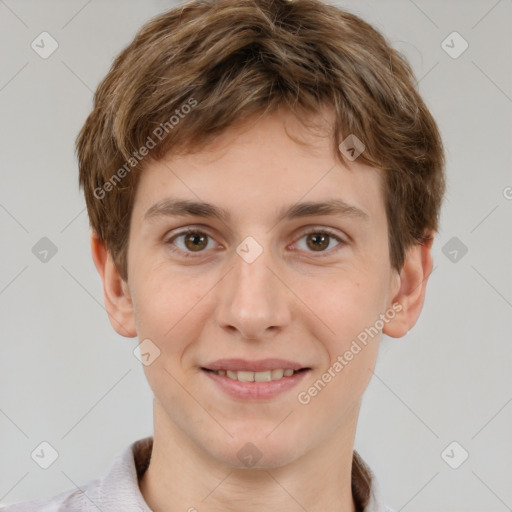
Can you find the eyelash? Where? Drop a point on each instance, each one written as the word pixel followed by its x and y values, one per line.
pixel 316 231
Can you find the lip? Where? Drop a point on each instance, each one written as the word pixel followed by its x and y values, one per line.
pixel 259 365
pixel 255 390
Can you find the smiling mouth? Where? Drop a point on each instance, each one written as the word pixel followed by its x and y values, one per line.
pixel 263 376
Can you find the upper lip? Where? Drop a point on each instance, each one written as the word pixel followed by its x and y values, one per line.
pixel 259 365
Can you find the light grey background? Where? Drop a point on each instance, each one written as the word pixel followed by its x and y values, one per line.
pixel 69 379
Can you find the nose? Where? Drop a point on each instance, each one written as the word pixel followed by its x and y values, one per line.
pixel 253 299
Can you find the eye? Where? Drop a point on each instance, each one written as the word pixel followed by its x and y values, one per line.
pixel 319 240
pixel 193 241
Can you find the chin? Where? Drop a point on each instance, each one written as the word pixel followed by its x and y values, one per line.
pixel 259 451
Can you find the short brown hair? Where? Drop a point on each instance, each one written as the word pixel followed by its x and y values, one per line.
pixel 228 60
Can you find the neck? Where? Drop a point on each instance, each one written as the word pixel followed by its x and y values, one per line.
pixel 183 477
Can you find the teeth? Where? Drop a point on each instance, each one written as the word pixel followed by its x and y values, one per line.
pixel 244 376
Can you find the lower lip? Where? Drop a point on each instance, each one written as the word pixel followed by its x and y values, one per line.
pixel 255 390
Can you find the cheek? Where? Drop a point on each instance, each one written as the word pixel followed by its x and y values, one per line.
pixel 167 309
pixel 344 305
pixel 170 308
pixel 350 309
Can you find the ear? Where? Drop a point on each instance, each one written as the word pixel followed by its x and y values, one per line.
pixel 412 286
pixel 116 294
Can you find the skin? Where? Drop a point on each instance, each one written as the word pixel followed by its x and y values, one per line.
pixel 292 302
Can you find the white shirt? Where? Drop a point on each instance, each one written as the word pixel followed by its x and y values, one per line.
pixel 118 490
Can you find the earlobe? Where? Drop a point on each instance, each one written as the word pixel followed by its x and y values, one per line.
pixel 413 279
pixel 116 293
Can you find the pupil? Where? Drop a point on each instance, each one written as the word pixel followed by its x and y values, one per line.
pixel 193 238
pixel 322 238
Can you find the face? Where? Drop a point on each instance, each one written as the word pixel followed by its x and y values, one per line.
pixel 254 285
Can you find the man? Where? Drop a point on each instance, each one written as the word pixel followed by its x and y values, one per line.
pixel 263 184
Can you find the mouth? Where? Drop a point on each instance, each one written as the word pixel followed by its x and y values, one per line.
pixel 254 380
pixel 261 376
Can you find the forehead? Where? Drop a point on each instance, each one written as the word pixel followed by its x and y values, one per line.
pixel 264 166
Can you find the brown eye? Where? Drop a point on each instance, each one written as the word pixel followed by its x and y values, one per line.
pixel 196 241
pixel 190 241
pixel 318 241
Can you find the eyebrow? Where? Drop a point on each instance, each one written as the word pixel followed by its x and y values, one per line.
pixel 170 207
